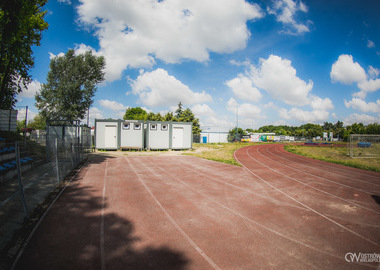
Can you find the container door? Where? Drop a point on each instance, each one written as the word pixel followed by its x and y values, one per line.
pixel 177 137
pixel 110 136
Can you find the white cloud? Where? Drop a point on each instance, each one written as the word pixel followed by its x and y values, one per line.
pixel 112 105
pixel 21 114
pixel 314 116
pixel 245 63
pixel 370 44
pixel 68 2
pixel 135 33
pixel 277 76
pixel 95 113
pixel 363 106
pixel 216 123
pixel 202 109
pixel 368 86
pixel 346 71
pixel 51 55
pixel 31 90
pixel 285 12
pixel 244 110
pixel 82 48
pixel 360 118
pixel 373 72
pixel 158 88
pixel 243 88
pixel 320 104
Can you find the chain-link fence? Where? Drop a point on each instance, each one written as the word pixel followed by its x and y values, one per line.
pixel 364 146
pixel 66 146
pixel 31 170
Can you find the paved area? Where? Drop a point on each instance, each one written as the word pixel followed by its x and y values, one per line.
pixel 278 211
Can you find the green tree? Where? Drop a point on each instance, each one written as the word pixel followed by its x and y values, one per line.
pixel 356 128
pixel 20 125
pixel 373 128
pixel 136 113
pixel 38 122
pixel 154 117
pixel 232 133
pixel 170 117
pixel 71 86
pixel 179 111
pixel 327 126
pixel 188 116
pixel 21 26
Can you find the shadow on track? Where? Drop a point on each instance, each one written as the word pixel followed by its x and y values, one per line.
pixel 376 198
pixel 70 237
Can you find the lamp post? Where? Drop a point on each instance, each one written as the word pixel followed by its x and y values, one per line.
pixel 237 121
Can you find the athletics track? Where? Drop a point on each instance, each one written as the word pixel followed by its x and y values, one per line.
pixel 278 211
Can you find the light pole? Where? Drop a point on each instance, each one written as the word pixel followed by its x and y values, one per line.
pixel 237 121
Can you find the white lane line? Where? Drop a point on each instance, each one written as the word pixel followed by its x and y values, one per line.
pixel 324 178
pixel 246 190
pixel 308 207
pixel 21 251
pixel 337 167
pixel 319 250
pixel 320 190
pixel 192 243
pixel 102 250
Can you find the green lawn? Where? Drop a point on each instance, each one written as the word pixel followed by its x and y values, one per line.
pixel 221 152
pixel 335 155
pixel 224 152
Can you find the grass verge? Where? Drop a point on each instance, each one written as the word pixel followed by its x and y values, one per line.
pixel 336 155
pixel 221 152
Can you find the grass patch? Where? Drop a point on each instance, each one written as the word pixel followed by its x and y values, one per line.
pixel 336 155
pixel 221 152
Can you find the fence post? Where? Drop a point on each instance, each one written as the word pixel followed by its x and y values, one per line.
pixel 26 121
pixel 20 179
pixel 56 158
pixel 73 161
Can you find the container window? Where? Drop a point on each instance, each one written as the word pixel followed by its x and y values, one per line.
pixel 126 126
pixel 137 126
pixel 164 127
pixel 153 126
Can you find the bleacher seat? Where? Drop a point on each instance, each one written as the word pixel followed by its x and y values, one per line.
pixel 8 165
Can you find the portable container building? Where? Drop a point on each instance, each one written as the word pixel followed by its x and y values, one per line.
pixel 132 134
pixel 107 134
pixel 157 135
pixel 181 135
pixel 214 137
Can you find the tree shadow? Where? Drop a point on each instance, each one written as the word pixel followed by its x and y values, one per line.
pixel 376 198
pixel 70 237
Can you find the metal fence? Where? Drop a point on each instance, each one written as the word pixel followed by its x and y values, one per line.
pixel 30 171
pixel 364 146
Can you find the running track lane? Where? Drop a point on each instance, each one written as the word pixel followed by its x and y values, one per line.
pixel 188 213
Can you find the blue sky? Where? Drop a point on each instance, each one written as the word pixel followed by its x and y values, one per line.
pixel 269 62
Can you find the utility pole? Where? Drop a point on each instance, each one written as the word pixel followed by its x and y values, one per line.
pixel 237 121
pixel 88 117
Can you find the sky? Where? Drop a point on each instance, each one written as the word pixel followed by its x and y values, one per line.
pixel 232 62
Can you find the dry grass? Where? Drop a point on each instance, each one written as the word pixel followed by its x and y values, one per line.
pixel 221 152
pixel 335 155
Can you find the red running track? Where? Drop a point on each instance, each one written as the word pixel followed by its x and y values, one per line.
pixel 278 211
